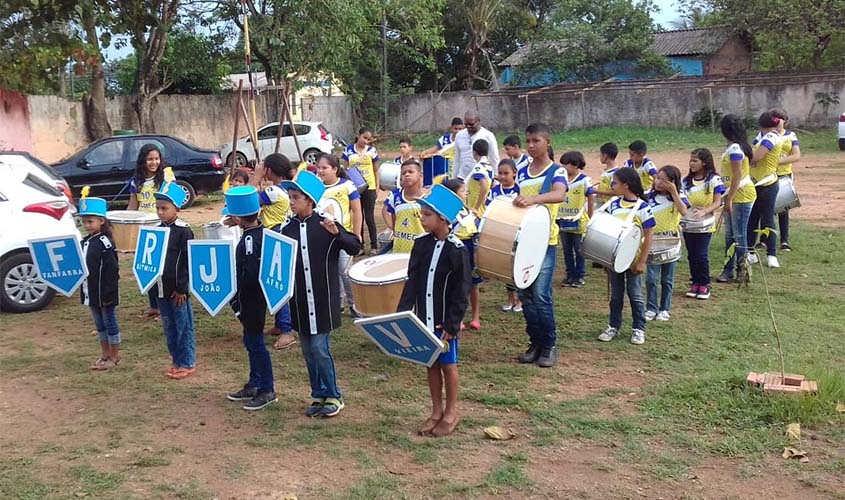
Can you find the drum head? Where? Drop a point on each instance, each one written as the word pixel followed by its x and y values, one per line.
pixel 131 217
pixel 626 252
pixel 531 245
pixel 330 209
pixel 380 269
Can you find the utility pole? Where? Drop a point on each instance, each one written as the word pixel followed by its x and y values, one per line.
pixel 384 67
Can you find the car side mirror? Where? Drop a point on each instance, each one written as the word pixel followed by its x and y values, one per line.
pixel 83 164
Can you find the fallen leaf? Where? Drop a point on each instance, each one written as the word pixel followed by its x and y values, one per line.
pixel 499 434
pixel 840 407
pixel 804 460
pixel 793 453
pixel 793 431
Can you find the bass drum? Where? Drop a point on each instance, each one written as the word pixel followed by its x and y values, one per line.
pixel 125 227
pixel 612 242
pixel 377 283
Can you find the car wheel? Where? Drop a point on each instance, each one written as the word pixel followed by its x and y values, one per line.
pixel 240 160
pixel 22 290
pixel 190 192
pixel 842 144
pixel 311 156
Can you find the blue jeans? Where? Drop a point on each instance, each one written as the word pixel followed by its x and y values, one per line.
pixel 105 319
pixel 619 282
pixel 153 299
pixel 576 267
pixel 178 325
pixel 763 216
pixel 783 226
pixel 316 349
pixel 665 274
pixel 283 319
pixel 260 365
pixel 537 306
pixel 698 254
pixel 736 225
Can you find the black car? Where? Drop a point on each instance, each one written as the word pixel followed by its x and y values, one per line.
pixel 109 164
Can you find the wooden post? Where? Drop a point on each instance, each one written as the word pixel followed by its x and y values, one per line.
pixel 710 104
pixel 237 113
pixel 280 121
pixel 251 131
pixel 286 109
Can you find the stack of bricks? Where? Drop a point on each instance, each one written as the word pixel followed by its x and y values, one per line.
pixel 773 382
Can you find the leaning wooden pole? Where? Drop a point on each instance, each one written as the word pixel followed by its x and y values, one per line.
pixel 248 60
pixel 280 121
pixel 286 109
pixel 232 160
pixel 251 132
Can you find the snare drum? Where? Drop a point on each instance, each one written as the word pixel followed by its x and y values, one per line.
pixel 125 227
pixel 611 241
pixel 434 167
pixel 512 242
pixel 664 250
pixel 388 176
pixel 377 283
pixel 220 231
pixel 355 176
pixel 787 197
pixel 689 224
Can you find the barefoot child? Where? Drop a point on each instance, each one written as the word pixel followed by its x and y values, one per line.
pixel 507 188
pixel 573 216
pixel 249 304
pixel 436 290
pixel 177 317
pixel 315 305
pixel 147 179
pixel 99 290
pixel 638 160
pixel 401 210
pixel 704 189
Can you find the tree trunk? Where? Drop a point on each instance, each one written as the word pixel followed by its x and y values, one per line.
pixel 142 104
pixel 94 104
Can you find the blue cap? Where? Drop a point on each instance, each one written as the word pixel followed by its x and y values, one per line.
pixel 442 200
pixel 172 192
pixel 92 206
pixel 309 184
pixel 242 201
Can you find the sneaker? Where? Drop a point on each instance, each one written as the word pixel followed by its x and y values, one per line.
pixel 315 408
pixel 548 358
pixel 244 394
pixel 577 283
pixel 332 407
pixel 529 356
pixel 761 245
pixel 637 337
pixel 354 314
pixel 650 315
pixel 261 400
pixel 784 247
pixel 517 309
pixel 693 291
pixel 725 277
pixel 703 292
pixel 507 308
pixel 752 258
pixel 566 282
pixel 662 316
pixel 772 261
pixel 609 334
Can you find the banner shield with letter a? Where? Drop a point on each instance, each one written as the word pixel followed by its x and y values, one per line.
pixel 60 262
pixel 278 266
pixel 211 273
pixel 403 336
pixel 150 253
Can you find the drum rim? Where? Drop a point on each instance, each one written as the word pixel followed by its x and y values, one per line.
pixel 386 258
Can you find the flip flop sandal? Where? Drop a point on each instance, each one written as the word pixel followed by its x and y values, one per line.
pixel 182 373
pixel 97 364
pixel 108 364
pixel 282 347
pixel 475 325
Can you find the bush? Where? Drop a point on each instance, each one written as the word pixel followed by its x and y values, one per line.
pixel 701 118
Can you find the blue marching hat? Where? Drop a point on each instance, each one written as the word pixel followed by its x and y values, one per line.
pixel 444 202
pixel 92 206
pixel 309 184
pixel 172 192
pixel 241 201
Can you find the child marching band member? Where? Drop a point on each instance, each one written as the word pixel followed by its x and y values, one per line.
pixel 466 230
pixel 344 192
pixel 704 190
pixel 249 304
pixel 364 157
pixel 740 196
pixel 147 179
pixel 436 290
pixel 573 216
pixel 480 178
pixel 630 196
pixel 239 178
pixel 275 210
pixel 764 165
pixel 445 146
pixel 315 305
pixel 177 317
pixel 100 290
pixel 513 148
pixel 506 187
pixel 406 151
pixel 668 204
pixel 541 182
pixel 401 210
pixel 607 156
pixel 638 160
pixel 791 153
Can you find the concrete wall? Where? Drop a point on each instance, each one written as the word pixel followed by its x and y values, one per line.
pixel 334 111
pixel 733 57
pixel 14 122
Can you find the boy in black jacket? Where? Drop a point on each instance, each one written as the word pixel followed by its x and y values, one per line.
pixel 315 306
pixel 177 317
pixel 439 281
pixel 249 304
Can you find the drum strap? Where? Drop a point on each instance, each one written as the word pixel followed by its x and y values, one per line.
pixel 765 181
pixel 631 214
pixel 549 178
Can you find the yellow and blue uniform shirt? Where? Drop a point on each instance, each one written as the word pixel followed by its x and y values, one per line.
pixel 365 163
pixel 498 191
pixel 344 191
pixel 621 208
pixel 765 171
pixel 275 206
pixel 788 141
pixel 700 193
pixel 580 189
pixel 667 217
pixel 466 226
pixel 145 195
pixel 443 142
pixel 481 171
pixel 530 185
pixel 745 192
pixel 522 161
pixel 408 221
pixel 647 171
pixel 606 182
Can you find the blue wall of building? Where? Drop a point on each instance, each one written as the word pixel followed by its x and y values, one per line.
pixel 688 66
pixel 621 70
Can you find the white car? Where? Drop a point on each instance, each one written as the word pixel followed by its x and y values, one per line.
pixel 31 206
pixel 313 138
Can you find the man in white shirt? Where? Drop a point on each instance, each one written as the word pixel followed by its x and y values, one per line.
pixel 463 146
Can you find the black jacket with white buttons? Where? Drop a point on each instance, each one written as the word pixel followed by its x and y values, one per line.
pixel 100 287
